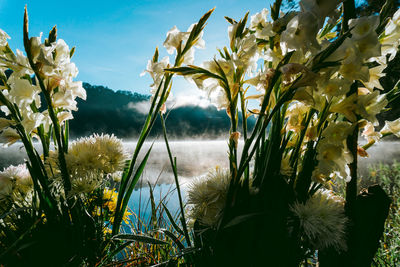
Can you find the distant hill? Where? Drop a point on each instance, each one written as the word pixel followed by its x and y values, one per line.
pixel 123 113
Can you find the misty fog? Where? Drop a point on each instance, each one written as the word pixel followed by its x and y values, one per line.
pixel 196 158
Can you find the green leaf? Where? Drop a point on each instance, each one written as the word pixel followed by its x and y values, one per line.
pixel 114 252
pixel 66 136
pixel 53 35
pixel 275 8
pixel 155 56
pixel 171 219
pixel 230 20
pixel 153 207
pixel 173 237
pixel 324 54
pixel 72 52
pixel 241 219
pixel 120 213
pixel 140 238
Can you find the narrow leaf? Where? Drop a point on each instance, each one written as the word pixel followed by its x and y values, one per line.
pixel 140 238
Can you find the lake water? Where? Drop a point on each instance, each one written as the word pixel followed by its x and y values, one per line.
pixel 194 159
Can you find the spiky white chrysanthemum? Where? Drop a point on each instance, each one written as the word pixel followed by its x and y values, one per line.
pixel 207 196
pixel 15 183
pixel 89 160
pixel 86 183
pixel 322 220
pixel 104 153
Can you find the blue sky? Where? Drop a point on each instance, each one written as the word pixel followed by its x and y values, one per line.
pixel 114 39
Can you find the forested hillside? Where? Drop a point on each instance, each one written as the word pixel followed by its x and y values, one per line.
pixel 123 113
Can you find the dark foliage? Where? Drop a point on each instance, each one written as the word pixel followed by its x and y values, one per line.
pixel 123 113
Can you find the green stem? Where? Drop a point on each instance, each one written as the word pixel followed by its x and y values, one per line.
pixel 174 169
pixel 244 126
pixel 349 12
pixel 126 181
pixel 52 114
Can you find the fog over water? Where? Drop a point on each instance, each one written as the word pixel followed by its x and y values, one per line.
pixel 195 158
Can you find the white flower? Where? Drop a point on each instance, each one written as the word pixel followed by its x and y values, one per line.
pixel 104 153
pixel 5 123
pixel 156 71
pixel 333 158
pixel 36 46
pixel 375 74
pixel 259 20
pixel 212 86
pixel 86 183
pixel 15 183
pixel 246 56
pixel 334 87
pixel 346 53
pixel 322 220
pixel 393 24
pixel 370 134
pixel 364 26
pixel 63 116
pixel 392 127
pixel 23 93
pixel 295 115
pixel 6 187
pixel 219 99
pixel 3 38
pixel 31 120
pixel 354 71
pixel 76 89
pixel 64 100
pixel 301 33
pixel 207 196
pixel 273 57
pixel 391 40
pixel 176 38
pixel 21 66
pixel 62 52
pixel 369 105
pixel 262 79
pixel 337 132
pixel 320 8
pixel 259 24
pixel 9 136
pixel 369 46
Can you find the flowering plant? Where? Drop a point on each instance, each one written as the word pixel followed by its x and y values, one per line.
pixel 317 89
pixel 75 192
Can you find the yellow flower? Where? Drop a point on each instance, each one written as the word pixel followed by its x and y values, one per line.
pixel 110 197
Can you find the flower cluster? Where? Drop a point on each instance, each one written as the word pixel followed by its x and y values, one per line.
pixel 322 220
pixel 317 69
pixel 110 204
pixel 207 196
pixel 184 44
pixel 89 160
pixel 16 186
pixel 23 80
